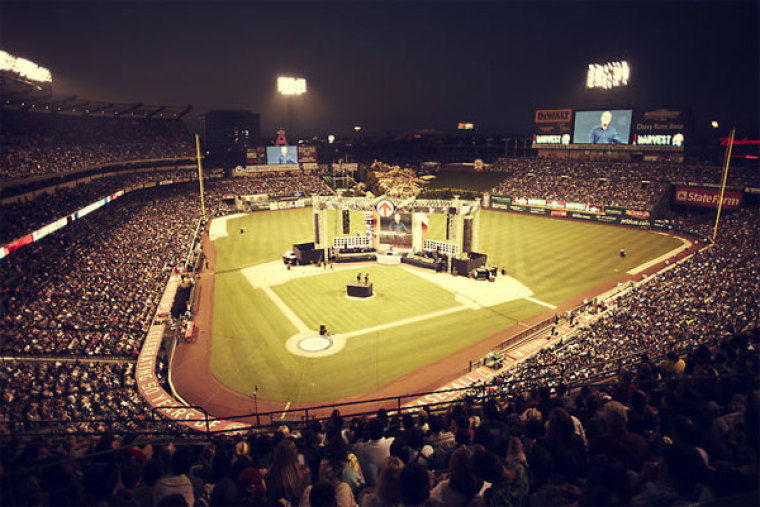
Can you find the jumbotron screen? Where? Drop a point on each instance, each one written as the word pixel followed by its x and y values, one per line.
pixel 396 230
pixel 607 126
pixel 282 155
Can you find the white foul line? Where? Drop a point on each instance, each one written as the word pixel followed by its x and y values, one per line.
pixel 290 314
pixel 539 302
pixel 403 321
pixel 685 243
pixel 287 406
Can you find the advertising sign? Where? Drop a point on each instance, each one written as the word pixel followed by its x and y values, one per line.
pixel 256 156
pixel 307 153
pixel 553 115
pixel 500 202
pixel 708 197
pixel 552 126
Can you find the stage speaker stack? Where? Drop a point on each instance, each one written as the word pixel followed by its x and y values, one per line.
pixel 316 229
pixel 346 221
pixel 467 233
pixel 450 222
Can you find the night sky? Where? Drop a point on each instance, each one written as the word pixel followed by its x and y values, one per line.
pixel 396 67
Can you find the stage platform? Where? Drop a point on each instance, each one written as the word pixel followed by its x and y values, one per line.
pixel 389 260
pixel 359 290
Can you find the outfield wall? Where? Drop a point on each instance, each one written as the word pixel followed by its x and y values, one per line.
pixel 576 211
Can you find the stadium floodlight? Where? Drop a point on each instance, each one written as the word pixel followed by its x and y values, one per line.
pixel 714 124
pixel 608 75
pixel 291 85
pixel 357 128
pixel 24 68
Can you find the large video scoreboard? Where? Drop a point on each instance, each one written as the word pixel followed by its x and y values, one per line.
pixel 610 129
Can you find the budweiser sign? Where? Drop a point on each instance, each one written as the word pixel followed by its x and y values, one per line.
pixel 708 197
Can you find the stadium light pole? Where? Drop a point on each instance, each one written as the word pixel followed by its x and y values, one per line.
pixel 726 163
pixel 330 141
pixel 200 173
pixel 290 87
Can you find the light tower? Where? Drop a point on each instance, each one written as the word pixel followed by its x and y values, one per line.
pixel 290 87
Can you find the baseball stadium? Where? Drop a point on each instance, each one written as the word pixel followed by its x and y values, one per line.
pixel 239 303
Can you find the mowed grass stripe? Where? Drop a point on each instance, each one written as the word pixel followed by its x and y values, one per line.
pixel 249 334
pixel 398 295
pixel 560 258
pixel 268 234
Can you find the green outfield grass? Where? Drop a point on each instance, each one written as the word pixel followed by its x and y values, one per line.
pixel 270 234
pixel 556 259
pixel 560 258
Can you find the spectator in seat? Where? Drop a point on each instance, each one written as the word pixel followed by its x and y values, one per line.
pixel 373 451
pixel 617 442
pixel 340 466
pixel 568 453
pixel 442 442
pixel 414 486
pixel 420 453
pixel 287 479
pixel 327 493
pixel 461 487
pixel 509 483
pixel 386 493
pixel 178 482
pixel 672 365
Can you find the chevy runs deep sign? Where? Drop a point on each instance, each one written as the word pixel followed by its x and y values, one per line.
pixel 708 197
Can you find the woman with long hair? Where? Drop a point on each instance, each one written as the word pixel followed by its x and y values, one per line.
pixel 386 493
pixel 339 465
pixel 461 487
pixel 287 478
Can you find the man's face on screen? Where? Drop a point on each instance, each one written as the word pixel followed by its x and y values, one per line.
pixel 606 119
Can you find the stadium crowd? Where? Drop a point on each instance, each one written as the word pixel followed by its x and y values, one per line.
pixel 92 288
pixel 678 426
pixel 394 180
pixel 715 293
pixel 534 443
pixel 629 185
pixel 83 396
pixel 42 144
pixel 294 185
pixel 24 217
pixel 32 213
pixel 675 434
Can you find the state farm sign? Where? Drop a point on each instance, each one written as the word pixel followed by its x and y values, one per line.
pixel 708 197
